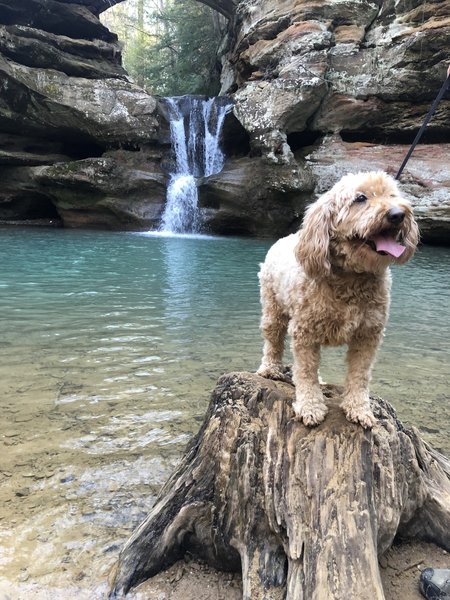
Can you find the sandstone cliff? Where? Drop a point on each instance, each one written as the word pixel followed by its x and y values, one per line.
pixel 65 99
pixel 342 86
pixel 320 88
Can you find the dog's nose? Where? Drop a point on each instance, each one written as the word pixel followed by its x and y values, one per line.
pixel 395 215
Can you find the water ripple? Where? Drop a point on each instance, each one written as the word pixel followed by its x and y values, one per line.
pixel 112 344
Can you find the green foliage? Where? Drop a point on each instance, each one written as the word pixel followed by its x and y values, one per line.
pixel 173 47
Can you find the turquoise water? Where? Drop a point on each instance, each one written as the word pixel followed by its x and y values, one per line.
pixel 111 344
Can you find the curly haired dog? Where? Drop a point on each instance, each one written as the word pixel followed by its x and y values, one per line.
pixel 329 284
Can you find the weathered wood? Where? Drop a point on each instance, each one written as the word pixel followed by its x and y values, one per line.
pixel 304 512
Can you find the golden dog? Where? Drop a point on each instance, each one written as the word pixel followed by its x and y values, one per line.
pixel 329 284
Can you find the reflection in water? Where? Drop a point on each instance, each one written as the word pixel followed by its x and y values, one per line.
pixel 111 344
pixel 181 264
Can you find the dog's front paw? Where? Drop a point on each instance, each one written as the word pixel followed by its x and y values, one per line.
pixel 273 371
pixel 359 412
pixel 311 412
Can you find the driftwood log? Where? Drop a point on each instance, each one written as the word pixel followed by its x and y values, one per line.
pixel 305 513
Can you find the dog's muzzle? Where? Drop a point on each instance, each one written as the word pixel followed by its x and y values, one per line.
pixel 395 216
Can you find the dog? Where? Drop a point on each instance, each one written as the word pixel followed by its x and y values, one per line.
pixel 329 285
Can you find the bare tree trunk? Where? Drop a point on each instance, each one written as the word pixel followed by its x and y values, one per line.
pixel 304 512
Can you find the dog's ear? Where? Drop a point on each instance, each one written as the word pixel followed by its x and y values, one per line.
pixel 312 250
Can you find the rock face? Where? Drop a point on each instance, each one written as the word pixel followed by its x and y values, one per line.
pixel 95 192
pixel 425 182
pixel 320 88
pixel 253 197
pixel 363 71
pixel 64 96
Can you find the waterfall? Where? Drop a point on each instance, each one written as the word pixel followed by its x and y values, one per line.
pixel 195 128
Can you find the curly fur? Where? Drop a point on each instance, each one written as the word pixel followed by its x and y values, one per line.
pixel 328 285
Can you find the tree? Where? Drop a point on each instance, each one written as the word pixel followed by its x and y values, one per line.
pixel 173 45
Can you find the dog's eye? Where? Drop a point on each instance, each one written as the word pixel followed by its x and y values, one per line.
pixel 361 198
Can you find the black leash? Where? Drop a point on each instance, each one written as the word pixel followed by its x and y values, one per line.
pixel 431 112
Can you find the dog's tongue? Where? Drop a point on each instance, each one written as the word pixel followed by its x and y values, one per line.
pixel 386 243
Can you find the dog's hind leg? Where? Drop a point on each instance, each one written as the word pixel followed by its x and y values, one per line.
pixel 360 358
pixel 309 405
pixel 274 323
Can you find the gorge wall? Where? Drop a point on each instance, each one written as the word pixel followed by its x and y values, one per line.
pixel 320 89
pixel 79 143
pixel 333 87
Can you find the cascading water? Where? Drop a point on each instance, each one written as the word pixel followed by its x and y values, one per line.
pixel 195 128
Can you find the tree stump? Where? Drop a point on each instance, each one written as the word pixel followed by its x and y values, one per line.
pixel 304 512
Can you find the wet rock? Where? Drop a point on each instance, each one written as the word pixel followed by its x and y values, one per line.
pixel 42 474
pixel 24 576
pixel 68 479
pixel 23 419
